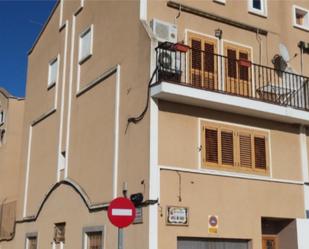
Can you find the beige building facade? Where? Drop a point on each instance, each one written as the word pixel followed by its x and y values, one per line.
pixel 201 106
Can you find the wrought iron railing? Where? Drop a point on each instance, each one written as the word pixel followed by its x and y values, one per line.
pixel 183 65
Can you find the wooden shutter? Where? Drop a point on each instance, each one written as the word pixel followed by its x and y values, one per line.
pixel 203 68
pixel 243 70
pixel 211 143
pixel 227 147
pixel 95 240
pixel 260 152
pixel 245 150
pixel 232 63
pixel 196 62
pixel 209 59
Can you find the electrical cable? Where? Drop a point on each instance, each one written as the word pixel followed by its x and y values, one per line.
pixel 138 118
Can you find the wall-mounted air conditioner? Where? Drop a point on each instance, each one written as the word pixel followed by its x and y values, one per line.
pixel 164 31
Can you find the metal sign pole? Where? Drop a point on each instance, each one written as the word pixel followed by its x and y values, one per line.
pixel 120 238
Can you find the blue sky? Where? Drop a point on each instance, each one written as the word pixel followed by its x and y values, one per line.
pixel 20 23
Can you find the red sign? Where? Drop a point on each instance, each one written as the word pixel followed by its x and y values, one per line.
pixel 121 212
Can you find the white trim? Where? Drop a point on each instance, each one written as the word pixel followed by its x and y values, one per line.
pixel 57 83
pixel 116 133
pixel 229 174
pixel 262 12
pixel 143 10
pixel 306 195
pixel 203 98
pixel 27 172
pixel 61 14
pixel 302 229
pixel 82 3
pixel 82 60
pixel 70 96
pixel 306 25
pixel 154 175
pixel 154 172
pixel 304 153
pixel 60 160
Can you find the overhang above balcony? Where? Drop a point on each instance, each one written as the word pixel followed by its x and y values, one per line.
pixel 219 101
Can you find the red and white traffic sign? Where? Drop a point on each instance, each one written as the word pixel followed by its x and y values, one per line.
pixel 121 212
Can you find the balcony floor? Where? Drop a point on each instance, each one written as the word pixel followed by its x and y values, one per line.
pixel 219 101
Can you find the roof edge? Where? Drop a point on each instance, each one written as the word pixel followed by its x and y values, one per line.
pixel 44 27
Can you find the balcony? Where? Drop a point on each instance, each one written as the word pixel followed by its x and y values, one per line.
pixel 202 78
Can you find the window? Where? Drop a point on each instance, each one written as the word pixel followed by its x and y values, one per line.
pixel 1 117
pixel 52 72
pixel 258 7
pixel 59 232
pixel 301 17
pixel 203 61
pixel 238 69
pixel 234 148
pixel 93 238
pixel 85 45
pixel 31 241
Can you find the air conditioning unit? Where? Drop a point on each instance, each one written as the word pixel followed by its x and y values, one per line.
pixel 171 64
pixel 164 31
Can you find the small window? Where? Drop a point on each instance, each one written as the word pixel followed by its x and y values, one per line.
pixel 52 72
pixel 1 117
pixel 32 242
pixel 301 17
pixel 258 7
pixel 93 238
pixel 59 232
pixel 85 45
pixel 234 148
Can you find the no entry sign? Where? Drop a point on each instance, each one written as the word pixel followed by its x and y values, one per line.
pixel 121 212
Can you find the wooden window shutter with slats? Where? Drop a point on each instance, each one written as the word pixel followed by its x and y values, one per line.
pixel 245 150
pixel 227 147
pixel 211 143
pixel 243 70
pixel 260 152
pixel 232 63
pixel 203 62
pixel 209 59
pixel 196 62
pixel 234 148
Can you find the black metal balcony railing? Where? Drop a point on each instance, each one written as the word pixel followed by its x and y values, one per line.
pixel 240 77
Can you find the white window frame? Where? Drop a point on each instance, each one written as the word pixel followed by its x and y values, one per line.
pixel 260 12
pixel 51 83
pixel 85 57
pixel 2 116
pixel 31 235
pixel 94 229
pixel 306 25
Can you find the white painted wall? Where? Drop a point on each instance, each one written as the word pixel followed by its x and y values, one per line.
pixel 303 233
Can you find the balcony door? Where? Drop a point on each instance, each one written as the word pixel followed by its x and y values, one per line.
pixel 238 71
pixel 203 62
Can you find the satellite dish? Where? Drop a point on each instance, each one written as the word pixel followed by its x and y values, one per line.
pixel 284 52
